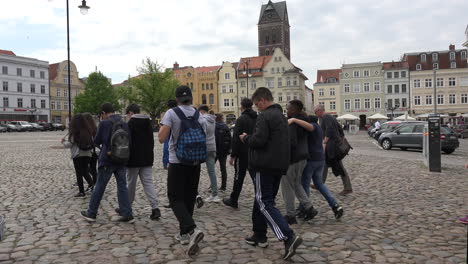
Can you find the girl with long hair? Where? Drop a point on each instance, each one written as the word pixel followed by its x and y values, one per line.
pixel 94 156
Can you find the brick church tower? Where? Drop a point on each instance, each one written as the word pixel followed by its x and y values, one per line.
pixel 273 29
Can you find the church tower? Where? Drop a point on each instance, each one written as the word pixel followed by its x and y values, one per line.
pixel 273 29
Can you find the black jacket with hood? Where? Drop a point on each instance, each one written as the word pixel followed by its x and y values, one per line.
pixel 244 124
pixel 298 140
pixel 269 150
pixel 141 149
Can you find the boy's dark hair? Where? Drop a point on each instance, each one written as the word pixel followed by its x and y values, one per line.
pixel 107 108
pixel 203 108
pixel 246 103
pixel 297 104
pixel 313 119
pixel 262 93
pixel 171 103
pixel 219 117
pixel 134 108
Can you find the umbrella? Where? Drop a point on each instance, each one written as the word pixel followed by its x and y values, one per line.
pixel 427 115
pixel 347 117
pixel 405 117
pixel 377 116
pixel 465 115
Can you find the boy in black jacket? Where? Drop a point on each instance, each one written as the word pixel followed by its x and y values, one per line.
pixel 269 156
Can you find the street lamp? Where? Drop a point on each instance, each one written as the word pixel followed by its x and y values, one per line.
pixel 84 10
pixel 246 62
pixel 32 110
pixel 392 108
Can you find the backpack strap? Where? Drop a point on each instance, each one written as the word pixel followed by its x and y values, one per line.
pixel 182 116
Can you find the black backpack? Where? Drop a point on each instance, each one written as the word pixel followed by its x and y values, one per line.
pixel 85 144
pixel 225 140
pixel 119 149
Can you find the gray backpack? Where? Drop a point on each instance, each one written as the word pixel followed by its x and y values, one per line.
pixel 119 149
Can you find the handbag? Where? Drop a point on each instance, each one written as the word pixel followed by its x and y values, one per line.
pixel 343 148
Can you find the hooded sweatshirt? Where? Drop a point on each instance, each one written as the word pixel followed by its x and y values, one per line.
pixel 142 138
pixel 210 132
pixel 244 124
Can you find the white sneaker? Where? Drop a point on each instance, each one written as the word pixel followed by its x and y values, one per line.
pixel 214 199
pixel 183 239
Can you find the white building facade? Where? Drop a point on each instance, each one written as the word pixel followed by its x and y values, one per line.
pixel 24 89
pixel 397 89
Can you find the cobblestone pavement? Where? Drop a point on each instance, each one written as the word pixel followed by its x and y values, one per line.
pixel 398 213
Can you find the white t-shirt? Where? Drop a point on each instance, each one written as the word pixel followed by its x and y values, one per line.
pixel 377 125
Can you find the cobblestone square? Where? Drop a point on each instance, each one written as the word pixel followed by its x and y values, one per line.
pixel 399 213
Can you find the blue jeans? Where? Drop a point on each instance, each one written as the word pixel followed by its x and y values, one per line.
pixel 210 167
pixel 104 175
pixel 313 171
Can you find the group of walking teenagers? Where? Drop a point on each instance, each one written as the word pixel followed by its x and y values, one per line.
pixel 276 151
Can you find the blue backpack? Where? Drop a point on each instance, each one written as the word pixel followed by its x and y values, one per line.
pixel 191 144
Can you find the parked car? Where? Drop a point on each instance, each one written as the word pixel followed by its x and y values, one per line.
pixel 462 130
pixel 24 125
pixel 58 126
pixel 3 128
pixel 385 127
pixel 13 128
pixel 37 127
pixel 410 135
pixel 45 125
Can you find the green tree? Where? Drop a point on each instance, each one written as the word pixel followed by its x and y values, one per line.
pixel 151 89
pixel 98 90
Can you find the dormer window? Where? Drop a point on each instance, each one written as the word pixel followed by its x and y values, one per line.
pixel 452 55
pixel 332 80
pixel 453 65
pixel 423 57
pixel 435 66
pixel 435 56
pixel 418 67
pixel 463 54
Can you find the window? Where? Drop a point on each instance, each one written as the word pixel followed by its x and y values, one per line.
pixel 33 88
pixel 288 81
pixel 267 52
pixel 332 105
pixel 347 104
pixel 356 73
pixel 227 76
pixel 322 103
pixel 397 102
pixel 428 83
pixel 282 69
pixel 42 74
pixel 43 104
pixel 407 129
pixel 58 92
pixel 19 87
pixel 357 103
pixel 270 82
pixel 4 70
pixel 389 75
pixel 5 102
pixel 423 57
pixel 226 102
pixel 403 74
pixel 435 56
pixel 288 97
pixel 280 97
pixel 367 103
pixel 321 92
pixel 203 86
pixel 404 103
pixel 32 73
pixel 211 86
pixel 295 96
pixel 396 88
pixel 19 71
pixel 33 103
pixel 295 81
pixel 366 87
pixel 357 87
pixel 389 89
pixel 452 99
pixel 377 86
pixel 332 91
pixel 417 100
pixel 416 83
pixel 346 88
pixel 65 105
pixel 377 103
pixel 389 103
pixel 272 70
pixel 435 66
pixel 254 84
pixel 428 99
pixel 453 65
pixel 231 88
pixel 396 75
pixel 203 99
pixel 66 68
pixel 452 81
pixel 242 83
pixel 65 93
pixel 5 86
pixel 280 82
pixel 224 88
pixel 366 73
pixel 332 80
pixel 463 54
pixel 418 67
pixel 452 55
pixel 52 105
pixel 440 82
pixel 59 105
pixel 440 99
pixel 212 99
pixel 20 102
pixel 464 98
pixel 403 88
pixel 65 79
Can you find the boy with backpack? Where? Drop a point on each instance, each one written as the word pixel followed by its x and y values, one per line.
pixel 114 138
pixel 187 150
pixel 223 147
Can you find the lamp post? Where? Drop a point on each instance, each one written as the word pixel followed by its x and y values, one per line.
pixel 32 110
pixel 84 10
pixel 246 62
pixel 392 108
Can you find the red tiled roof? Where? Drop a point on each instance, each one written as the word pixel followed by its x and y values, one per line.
pixel 395 65
pixel 323 75
pixel 7 52
pixel 53 71
pixel 254 63
pixel 207 69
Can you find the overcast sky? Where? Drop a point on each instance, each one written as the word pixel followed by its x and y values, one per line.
pixel 117 35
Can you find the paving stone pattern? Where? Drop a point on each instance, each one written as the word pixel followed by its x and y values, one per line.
pixel 398 213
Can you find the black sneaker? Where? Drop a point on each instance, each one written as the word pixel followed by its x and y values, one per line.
pixel 290 219
pixel 117 210
pixel 229 202
pixel 254 240
pixel 290 246
pixel 126 219
pixel 80 195
pixel 196 236
pixel 155 214
pixel 88 217
pixel 338 211
pixel 310 214
pixel 299 213
pixel 199 201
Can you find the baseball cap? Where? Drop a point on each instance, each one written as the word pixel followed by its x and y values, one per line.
pixel 183 92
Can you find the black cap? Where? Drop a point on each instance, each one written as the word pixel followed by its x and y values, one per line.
pixel 183 92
